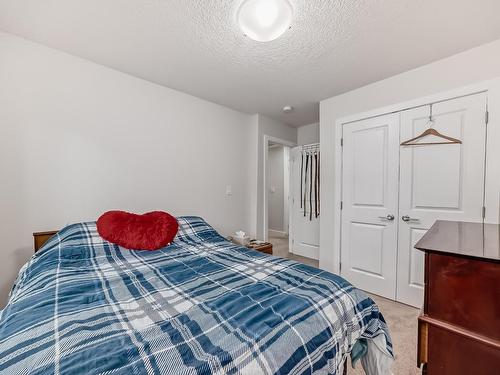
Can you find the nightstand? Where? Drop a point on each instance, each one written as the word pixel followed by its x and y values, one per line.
pixel 265 247
pixel 40 238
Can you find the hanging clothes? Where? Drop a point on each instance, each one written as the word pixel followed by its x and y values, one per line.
pixel 316 184
pixel 305 184
pixel 310 181
pixel 311 190
pixel 319 183
pixel 301 177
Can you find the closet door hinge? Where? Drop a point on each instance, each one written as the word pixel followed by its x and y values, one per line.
pixel 487 117
pixel 484 212
pixel 341 205
pixel 340 267
pixel 341 142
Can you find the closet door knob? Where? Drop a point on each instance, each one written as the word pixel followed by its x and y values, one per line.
pixel 388 217
pixel 407 219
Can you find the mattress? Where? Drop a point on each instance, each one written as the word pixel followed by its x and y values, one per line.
pixel 201 305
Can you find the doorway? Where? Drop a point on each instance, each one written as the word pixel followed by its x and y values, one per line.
pixel 278 190
pixel 278 193
pixel 275 146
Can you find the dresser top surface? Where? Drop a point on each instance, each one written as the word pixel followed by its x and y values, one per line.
pixel 462 238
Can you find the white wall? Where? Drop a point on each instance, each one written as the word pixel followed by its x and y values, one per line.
pixel 472 66
pixel 308 134
pixel 276 188
pixel 77 139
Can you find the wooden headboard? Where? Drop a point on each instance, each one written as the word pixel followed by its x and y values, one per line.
pixel 41 237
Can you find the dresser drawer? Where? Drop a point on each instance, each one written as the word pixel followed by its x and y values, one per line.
pixel 454 353
pixel 464 292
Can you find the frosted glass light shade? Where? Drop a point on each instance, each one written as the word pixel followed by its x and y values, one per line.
pixel 265 20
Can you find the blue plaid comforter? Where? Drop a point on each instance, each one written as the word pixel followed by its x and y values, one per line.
pixel 202 305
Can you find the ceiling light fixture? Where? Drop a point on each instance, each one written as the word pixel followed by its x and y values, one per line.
pixel 265 20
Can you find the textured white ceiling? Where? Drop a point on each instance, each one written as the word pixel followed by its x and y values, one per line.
pixel 195 45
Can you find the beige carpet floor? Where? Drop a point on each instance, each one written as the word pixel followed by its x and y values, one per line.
pixel 401 319
pixel 280 249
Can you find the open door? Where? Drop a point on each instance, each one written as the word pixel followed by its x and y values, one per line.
pixel 304 228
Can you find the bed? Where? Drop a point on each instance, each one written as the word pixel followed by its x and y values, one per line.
pixel 201 305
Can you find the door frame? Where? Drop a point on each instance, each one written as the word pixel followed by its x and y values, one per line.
pixel 265 178
pixel 492 179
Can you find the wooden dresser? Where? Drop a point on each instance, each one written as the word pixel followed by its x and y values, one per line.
pixel 459 328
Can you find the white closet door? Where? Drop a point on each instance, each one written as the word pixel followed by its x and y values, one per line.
pixel 438 182
pixel 304 233
pixel 370 204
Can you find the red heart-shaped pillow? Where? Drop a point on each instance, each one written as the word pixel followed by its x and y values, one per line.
pixel 150 231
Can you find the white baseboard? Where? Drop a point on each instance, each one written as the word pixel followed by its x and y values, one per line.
pixel 277 233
